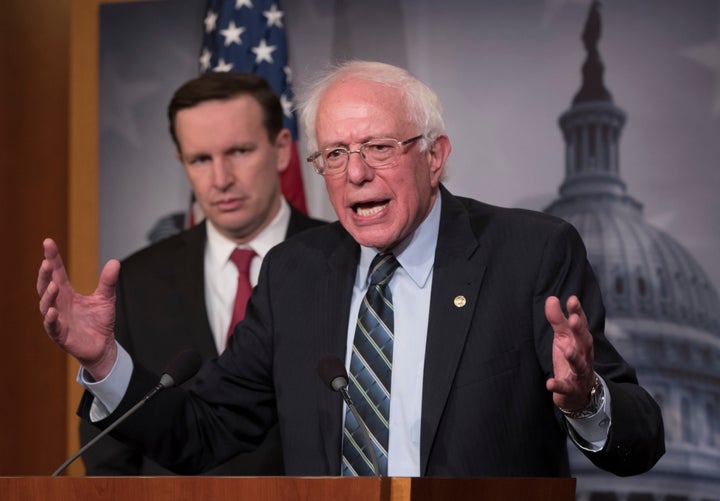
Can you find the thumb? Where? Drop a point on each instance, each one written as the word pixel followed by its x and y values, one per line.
pixel 108 279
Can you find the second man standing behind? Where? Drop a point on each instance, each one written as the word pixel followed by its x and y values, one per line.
pixel 227 128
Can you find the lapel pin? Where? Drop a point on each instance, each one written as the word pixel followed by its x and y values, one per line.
pixel 460 301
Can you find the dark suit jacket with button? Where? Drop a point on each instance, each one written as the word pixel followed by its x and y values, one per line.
pixel 161 311
pixel 485 408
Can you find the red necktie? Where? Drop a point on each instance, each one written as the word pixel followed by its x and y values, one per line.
pixel 241 258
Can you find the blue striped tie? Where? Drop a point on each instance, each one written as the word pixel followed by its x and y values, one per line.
pixel 370 373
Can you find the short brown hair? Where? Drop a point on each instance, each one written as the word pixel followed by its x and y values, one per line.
pixel 226 85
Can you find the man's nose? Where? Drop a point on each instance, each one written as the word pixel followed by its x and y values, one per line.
pixel 223 173
pixel 358 170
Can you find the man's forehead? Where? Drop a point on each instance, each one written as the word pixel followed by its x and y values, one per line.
pixel 360 89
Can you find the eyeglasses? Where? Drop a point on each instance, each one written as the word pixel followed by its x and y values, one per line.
pixel 376 153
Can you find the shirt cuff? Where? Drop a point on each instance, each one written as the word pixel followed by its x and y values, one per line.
pixel 108 392
pixel 591 433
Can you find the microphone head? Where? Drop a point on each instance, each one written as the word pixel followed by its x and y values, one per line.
pixel 332 371
pixel 184 366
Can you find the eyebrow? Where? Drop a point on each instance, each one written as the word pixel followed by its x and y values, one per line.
pixel 366 139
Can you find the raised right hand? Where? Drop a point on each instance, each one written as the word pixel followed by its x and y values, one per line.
pixel 80 325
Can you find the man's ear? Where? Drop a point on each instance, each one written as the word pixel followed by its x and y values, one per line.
pixel 438 153
pixel 283 143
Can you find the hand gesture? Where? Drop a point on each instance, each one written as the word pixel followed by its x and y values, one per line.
pixel 572 354
pixel 81 325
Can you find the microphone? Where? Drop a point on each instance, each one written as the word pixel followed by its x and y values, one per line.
pixel 182 368
pixel 332 372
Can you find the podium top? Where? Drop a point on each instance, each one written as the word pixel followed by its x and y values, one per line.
pixel 286 488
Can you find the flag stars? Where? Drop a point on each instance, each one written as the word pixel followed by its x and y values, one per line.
pixel 274 16
pixel 209 21
pixel 232 34
pixel 263 52
pixel 222 66
pixel 288 74
pixel 287 105
pixel 205 58
pixel 239 4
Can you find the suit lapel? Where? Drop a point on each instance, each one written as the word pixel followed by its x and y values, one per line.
pixel 457 276
pixel 334 303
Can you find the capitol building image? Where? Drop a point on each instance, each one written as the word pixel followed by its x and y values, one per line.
pixel 663 314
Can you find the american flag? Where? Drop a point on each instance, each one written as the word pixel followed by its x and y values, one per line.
pixel 249 36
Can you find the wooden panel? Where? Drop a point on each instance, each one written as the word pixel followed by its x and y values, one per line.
pixel 287 489
pixel 495 489
pixel 33 202
pixel 83 205
pixel 195 489
pixel 82 255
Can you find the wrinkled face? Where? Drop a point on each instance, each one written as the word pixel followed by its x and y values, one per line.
pixel 378 207
pixel 232 165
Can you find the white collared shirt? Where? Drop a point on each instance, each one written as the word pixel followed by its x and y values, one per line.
pixel 221 275
pixel 410 286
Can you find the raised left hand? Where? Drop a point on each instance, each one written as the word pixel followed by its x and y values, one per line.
pixel 572 354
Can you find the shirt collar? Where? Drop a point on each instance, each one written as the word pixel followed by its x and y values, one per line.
pixel 220 247
pixel 416 254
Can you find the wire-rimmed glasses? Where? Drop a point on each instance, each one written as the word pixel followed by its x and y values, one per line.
pixel 377 153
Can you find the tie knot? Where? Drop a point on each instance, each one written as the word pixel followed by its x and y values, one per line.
pixel 241 259
pixel 382 268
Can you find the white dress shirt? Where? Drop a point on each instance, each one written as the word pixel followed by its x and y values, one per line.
pixel 410 286
pixel 221 275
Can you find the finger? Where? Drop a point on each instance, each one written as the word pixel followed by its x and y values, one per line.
pixel 49 298
pixel 578 356
pixel 44 277
pixel 52 323
pixel 560 386
pixel 573 304
pixel 52 255
pixel 108 279
pixel 576 314
pixel 554 313
pixel 577 366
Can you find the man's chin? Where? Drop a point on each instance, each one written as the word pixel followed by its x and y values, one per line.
pixel 231 227
pixel 371 237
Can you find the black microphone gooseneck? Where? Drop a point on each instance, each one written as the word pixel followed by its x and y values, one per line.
pixel 332 372
pixel 182 368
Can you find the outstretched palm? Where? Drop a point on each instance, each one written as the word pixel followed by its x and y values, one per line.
pixel 572 354
pixel 81 325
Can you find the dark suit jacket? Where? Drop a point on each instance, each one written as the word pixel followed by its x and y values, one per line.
pixel 485 409
pixel 161 311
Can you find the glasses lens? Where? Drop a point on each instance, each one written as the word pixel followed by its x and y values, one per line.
pixel 381 152
pixel 333 158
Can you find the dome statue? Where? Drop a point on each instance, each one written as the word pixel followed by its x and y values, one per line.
pixel 663 313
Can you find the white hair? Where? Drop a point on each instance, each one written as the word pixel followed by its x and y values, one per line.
pixel 422 104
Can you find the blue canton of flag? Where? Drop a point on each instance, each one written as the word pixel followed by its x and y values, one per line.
pixel 249 36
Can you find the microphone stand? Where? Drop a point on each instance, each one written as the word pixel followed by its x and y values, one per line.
pixel 366 433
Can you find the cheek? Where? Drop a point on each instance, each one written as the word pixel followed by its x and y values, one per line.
pixel 334 191
pixel 200 184
pixel 413 194
pixel 262 181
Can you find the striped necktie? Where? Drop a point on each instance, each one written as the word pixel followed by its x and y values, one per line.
pixel 370 373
